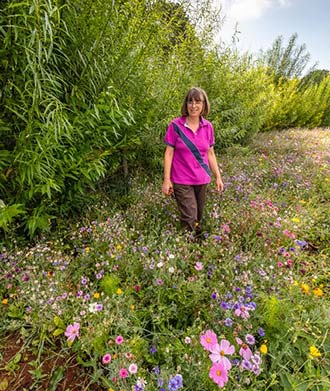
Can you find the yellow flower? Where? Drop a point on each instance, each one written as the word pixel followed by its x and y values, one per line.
pixel 263 349
pixel 314 351
pixel 118 247
pixel 87 250
pixel 296 220
pixel 111 389
pixel 119 291
pixel 295 283
pixel 132 307
pixel 318 292
pixel 302 202
pixel 305 288
pixel 96 295
pixel 5 301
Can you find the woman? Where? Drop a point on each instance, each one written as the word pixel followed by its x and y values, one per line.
pixel 190 158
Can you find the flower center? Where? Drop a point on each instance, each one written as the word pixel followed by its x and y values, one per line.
pixel 218 372
pixel 222 353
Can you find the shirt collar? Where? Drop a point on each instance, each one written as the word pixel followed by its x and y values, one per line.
pixel 183 121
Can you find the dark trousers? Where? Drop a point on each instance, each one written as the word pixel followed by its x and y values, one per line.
pixel 191 201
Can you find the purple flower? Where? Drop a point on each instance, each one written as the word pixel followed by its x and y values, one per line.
pixel 153 349
pixel 301 243
pixel 228 322
pixel 261 332
pixel 246 365
pixel 249 338
pixel 226 306
pixel 175 383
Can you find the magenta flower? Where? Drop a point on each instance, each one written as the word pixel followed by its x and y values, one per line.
pixel 123 373
pixel 208 340
pixel 219 374
pixel 119 340
pixel 106 358
pixel 218 353
pixel 72 331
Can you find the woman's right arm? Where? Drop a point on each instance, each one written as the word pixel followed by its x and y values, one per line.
pixel 167 187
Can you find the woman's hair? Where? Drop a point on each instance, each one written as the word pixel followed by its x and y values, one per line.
pixel 196 94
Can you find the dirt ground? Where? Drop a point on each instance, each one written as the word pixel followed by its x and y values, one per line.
pixel 19 370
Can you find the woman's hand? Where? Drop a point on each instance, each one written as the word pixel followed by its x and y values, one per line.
pixel 219 184
pixel 167 187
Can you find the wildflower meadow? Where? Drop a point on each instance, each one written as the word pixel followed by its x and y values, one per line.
pixel 122 299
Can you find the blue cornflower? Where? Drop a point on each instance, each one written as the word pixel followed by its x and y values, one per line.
pixel 224 305
pixel 175 383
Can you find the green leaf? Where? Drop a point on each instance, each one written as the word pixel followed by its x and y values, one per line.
pixel 59 322
pixel 58 332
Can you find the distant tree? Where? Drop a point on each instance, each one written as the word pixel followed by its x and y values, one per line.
pixel 286 62
pixel 315 76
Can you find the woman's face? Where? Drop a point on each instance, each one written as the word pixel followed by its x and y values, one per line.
pixel 195 106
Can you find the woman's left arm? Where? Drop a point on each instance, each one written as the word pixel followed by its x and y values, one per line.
pixel 215 168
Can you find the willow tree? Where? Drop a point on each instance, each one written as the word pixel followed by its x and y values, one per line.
pixel 79 86
pixel 288 61
pixel 60 118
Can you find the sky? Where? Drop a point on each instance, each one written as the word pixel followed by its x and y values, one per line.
pixel 260 22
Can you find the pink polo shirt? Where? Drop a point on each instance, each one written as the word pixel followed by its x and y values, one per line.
pixel 185 168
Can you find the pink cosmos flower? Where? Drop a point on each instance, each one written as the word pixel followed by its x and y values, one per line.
pixel 132 368
pixel 242 311
pixel 106 358
pixel 289 234
pixel 199 266
pixel 119 340
pixel 208 340
pixel 219 374
pixel 218 353
pixel 123 373
pixel 245 351
pixel 72 331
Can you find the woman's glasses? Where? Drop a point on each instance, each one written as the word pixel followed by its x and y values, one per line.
pixel 195 102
